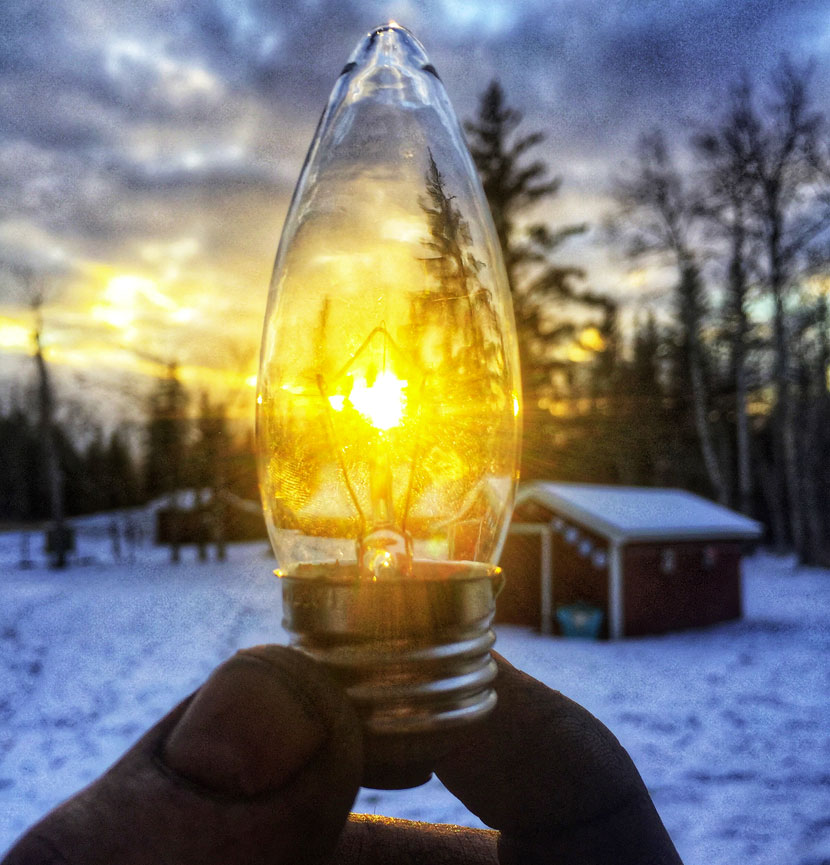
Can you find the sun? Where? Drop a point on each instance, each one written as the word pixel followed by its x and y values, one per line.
pixel 383 402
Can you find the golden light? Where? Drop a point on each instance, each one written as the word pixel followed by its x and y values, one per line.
pixel 183 315
pixel 637 278
pixel 337 402
pixel 409 230
pixel 128 289
pixel 383 402
pixel 123 289
pixel 577 354
pixel 123 296
pixel 15 336
pixel 109 322
pixel 119 317
pixel 591 339
pixel 818 284
pixel 561 408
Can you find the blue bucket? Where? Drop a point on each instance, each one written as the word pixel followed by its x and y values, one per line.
pixel 580 620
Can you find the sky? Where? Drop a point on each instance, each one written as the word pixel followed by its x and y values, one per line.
pixel 148 150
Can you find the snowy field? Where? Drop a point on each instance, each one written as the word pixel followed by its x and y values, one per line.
pixel 729 726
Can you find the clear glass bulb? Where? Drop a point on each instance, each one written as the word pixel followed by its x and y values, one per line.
pixel 388 388
pixel 388 394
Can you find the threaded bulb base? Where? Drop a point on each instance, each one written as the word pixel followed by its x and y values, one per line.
pixel 411 652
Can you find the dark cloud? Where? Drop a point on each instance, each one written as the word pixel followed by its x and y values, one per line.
pixel 29 31
pixel 217 172
pixel 52 115
pixel 113 113
pixel 595 73
pixel 683 52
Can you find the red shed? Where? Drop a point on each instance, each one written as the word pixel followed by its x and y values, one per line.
pixel 653 560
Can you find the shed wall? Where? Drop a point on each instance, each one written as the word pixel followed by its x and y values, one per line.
pixel 698 591
pixel 519 601
pixel 575 578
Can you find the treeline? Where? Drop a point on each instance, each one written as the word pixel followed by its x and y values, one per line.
pixel 182 445
pixel 103 475
pixel 719 386
pixel 189 445
pixel 724 388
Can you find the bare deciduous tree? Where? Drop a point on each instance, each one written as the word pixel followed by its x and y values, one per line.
pixel 659 218
pixel 726 204
pixel 790 200
pixel 35 287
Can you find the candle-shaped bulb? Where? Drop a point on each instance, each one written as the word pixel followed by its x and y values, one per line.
pixel 388 394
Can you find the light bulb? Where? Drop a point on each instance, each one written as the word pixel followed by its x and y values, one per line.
pixel 388 407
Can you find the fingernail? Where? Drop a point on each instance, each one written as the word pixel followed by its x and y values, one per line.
pixel 246 732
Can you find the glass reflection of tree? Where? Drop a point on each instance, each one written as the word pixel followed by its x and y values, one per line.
pixel 451 267
pixel 468 363
pixel 297 420
pixel 450 357
pixel 472 344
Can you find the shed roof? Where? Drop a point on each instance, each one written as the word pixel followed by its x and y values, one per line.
pixel 627 514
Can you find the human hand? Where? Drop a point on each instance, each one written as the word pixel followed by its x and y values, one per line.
pixel 262 764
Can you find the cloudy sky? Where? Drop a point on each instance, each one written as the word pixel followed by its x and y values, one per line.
pixel 148 149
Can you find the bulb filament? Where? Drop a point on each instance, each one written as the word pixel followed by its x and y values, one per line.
pixel 379 397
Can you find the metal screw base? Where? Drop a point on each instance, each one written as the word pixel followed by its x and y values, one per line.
pixel 412 653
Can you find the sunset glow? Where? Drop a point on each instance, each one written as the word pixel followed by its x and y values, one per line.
pixel 152 201
pixel 14 336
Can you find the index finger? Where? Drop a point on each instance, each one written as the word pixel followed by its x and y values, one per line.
pixel 555 781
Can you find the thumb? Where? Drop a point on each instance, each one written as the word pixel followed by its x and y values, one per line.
pixel 261 765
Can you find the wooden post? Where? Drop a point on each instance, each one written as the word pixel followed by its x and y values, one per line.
pixel 616 617
pixel 546 577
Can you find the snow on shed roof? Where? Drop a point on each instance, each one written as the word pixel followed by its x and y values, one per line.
pixel 639 513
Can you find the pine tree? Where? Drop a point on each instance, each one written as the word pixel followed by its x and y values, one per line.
pixel 166 435
pixel 210 469
pixel 19 461
pixel 545 293
pixel 121 470
pixel 167 430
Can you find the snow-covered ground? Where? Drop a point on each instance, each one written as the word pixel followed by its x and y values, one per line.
pixel 730 726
